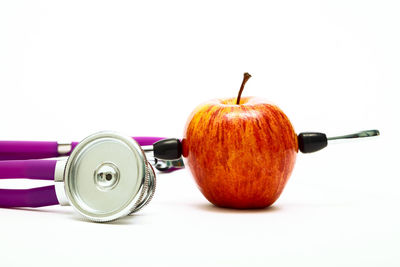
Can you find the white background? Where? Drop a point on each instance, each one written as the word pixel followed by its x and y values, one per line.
pixel 71 68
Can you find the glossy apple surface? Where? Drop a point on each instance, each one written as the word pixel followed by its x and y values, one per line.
pixel 240 156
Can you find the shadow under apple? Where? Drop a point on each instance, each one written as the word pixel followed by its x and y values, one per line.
pixel 212 208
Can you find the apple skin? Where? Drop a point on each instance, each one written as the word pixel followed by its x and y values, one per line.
pixel 240 156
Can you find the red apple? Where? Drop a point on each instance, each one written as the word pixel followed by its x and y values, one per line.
pixel 241 151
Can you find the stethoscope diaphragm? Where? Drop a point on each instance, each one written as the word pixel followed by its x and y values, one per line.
pixel 107 176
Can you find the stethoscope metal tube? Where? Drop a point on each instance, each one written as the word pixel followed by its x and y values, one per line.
pixel 106 176
pixel 313 141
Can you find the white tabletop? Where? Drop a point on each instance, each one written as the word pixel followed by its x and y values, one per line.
pixel 69 69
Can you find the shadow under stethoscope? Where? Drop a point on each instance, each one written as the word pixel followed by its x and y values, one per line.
pixel 127 220
pixel 41 210
pixel 73 216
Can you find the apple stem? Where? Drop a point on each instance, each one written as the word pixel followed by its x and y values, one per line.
pixel 246 77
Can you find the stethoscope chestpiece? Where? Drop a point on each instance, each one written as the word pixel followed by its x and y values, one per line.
pixel 106 177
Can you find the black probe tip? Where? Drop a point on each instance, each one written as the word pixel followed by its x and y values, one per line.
pixel 168 149
pixel 311 142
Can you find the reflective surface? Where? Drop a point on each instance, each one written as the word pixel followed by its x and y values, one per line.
pixel 104 175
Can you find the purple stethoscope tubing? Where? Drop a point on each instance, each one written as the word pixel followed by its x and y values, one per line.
pixel 24 159
pixel 18 150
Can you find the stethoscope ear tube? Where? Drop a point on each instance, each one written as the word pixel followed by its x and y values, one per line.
pixel 313 141
pixel 168 149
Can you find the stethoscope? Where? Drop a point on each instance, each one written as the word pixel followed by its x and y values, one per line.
pixel 107 175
